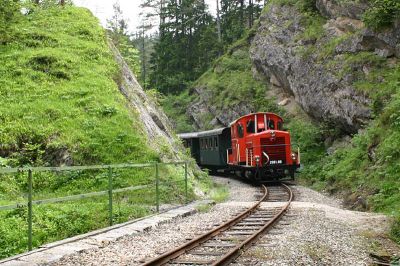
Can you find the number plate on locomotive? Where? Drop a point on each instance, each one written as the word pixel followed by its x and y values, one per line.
pixel 275 162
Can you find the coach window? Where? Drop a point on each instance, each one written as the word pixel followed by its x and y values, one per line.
pixel 240 130
pixel 250 126
pixel 216 142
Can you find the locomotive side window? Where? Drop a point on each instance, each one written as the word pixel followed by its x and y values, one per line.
pixel 250 126
pixel 280 125
pixel 240 130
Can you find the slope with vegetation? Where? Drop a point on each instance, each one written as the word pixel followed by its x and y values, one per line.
pixel 60 104
pixel 339 61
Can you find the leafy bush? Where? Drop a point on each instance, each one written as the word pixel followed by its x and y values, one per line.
pixel 382 13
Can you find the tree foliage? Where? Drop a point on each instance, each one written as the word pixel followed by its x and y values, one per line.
pixel 188 39
pixel 118 32
pixel 185 47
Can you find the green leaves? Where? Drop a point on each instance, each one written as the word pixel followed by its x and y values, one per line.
pixel 382 13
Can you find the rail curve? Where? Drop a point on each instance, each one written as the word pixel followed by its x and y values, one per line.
pixel 251 224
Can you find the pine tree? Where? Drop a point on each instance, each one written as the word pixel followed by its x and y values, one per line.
pixel 186 46
pixel 118 31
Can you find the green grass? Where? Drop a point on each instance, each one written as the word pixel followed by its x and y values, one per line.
pixel 59 94
pixel 60 104
pixel 175 107
pixel 369 167
pixel 219 193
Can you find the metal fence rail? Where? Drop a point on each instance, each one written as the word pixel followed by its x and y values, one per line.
pixel 110 192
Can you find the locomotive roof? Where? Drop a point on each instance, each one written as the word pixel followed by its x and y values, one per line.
pixel 267 113
pixel 200 134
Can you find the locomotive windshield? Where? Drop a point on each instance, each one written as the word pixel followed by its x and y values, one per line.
pixel 271 124
pixel 250 126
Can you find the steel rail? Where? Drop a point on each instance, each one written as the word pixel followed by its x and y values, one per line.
pixel 168 256
pixel 235 252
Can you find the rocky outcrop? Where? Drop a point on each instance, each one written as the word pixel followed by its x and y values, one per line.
pixel 338 8
pixel 155 123
pixel 345 16
pixel 277 51
pixel 206 116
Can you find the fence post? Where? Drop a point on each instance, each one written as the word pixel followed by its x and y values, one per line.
pixel 157 189
pixel 110 196
pixel 186 182
pixel 29 209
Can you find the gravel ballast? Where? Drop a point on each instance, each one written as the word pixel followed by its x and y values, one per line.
pixel 315 231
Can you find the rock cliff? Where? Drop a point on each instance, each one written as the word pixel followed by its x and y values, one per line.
pixel 312 57
pixel 308 59
pixel 155 122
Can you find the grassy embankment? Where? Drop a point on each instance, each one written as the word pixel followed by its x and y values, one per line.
pixel 60 104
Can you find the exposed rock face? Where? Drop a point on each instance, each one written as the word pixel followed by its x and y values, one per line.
pixel 316 85
pixel 338 8
pixel 155 122
pixel 216 117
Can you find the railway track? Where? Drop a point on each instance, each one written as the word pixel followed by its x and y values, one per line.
pixel 225 243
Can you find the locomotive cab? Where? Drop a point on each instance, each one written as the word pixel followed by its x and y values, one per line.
pixel 261 149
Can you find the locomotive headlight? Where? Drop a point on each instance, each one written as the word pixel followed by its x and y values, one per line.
pixel 294 156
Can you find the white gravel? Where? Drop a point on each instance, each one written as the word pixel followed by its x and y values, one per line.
pixel 238 190
pixel 308 237
pixel 305 194
pixel 132 250
pixel 314 232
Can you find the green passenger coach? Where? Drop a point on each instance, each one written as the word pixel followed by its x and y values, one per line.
pixel 209 148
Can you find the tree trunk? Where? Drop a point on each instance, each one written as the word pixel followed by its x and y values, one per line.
pixel 241 12
pixel 218 23
pixel 251 15
pixel 62 2
pixel 144 60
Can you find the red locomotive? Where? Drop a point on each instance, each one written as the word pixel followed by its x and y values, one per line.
pixel 255 146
